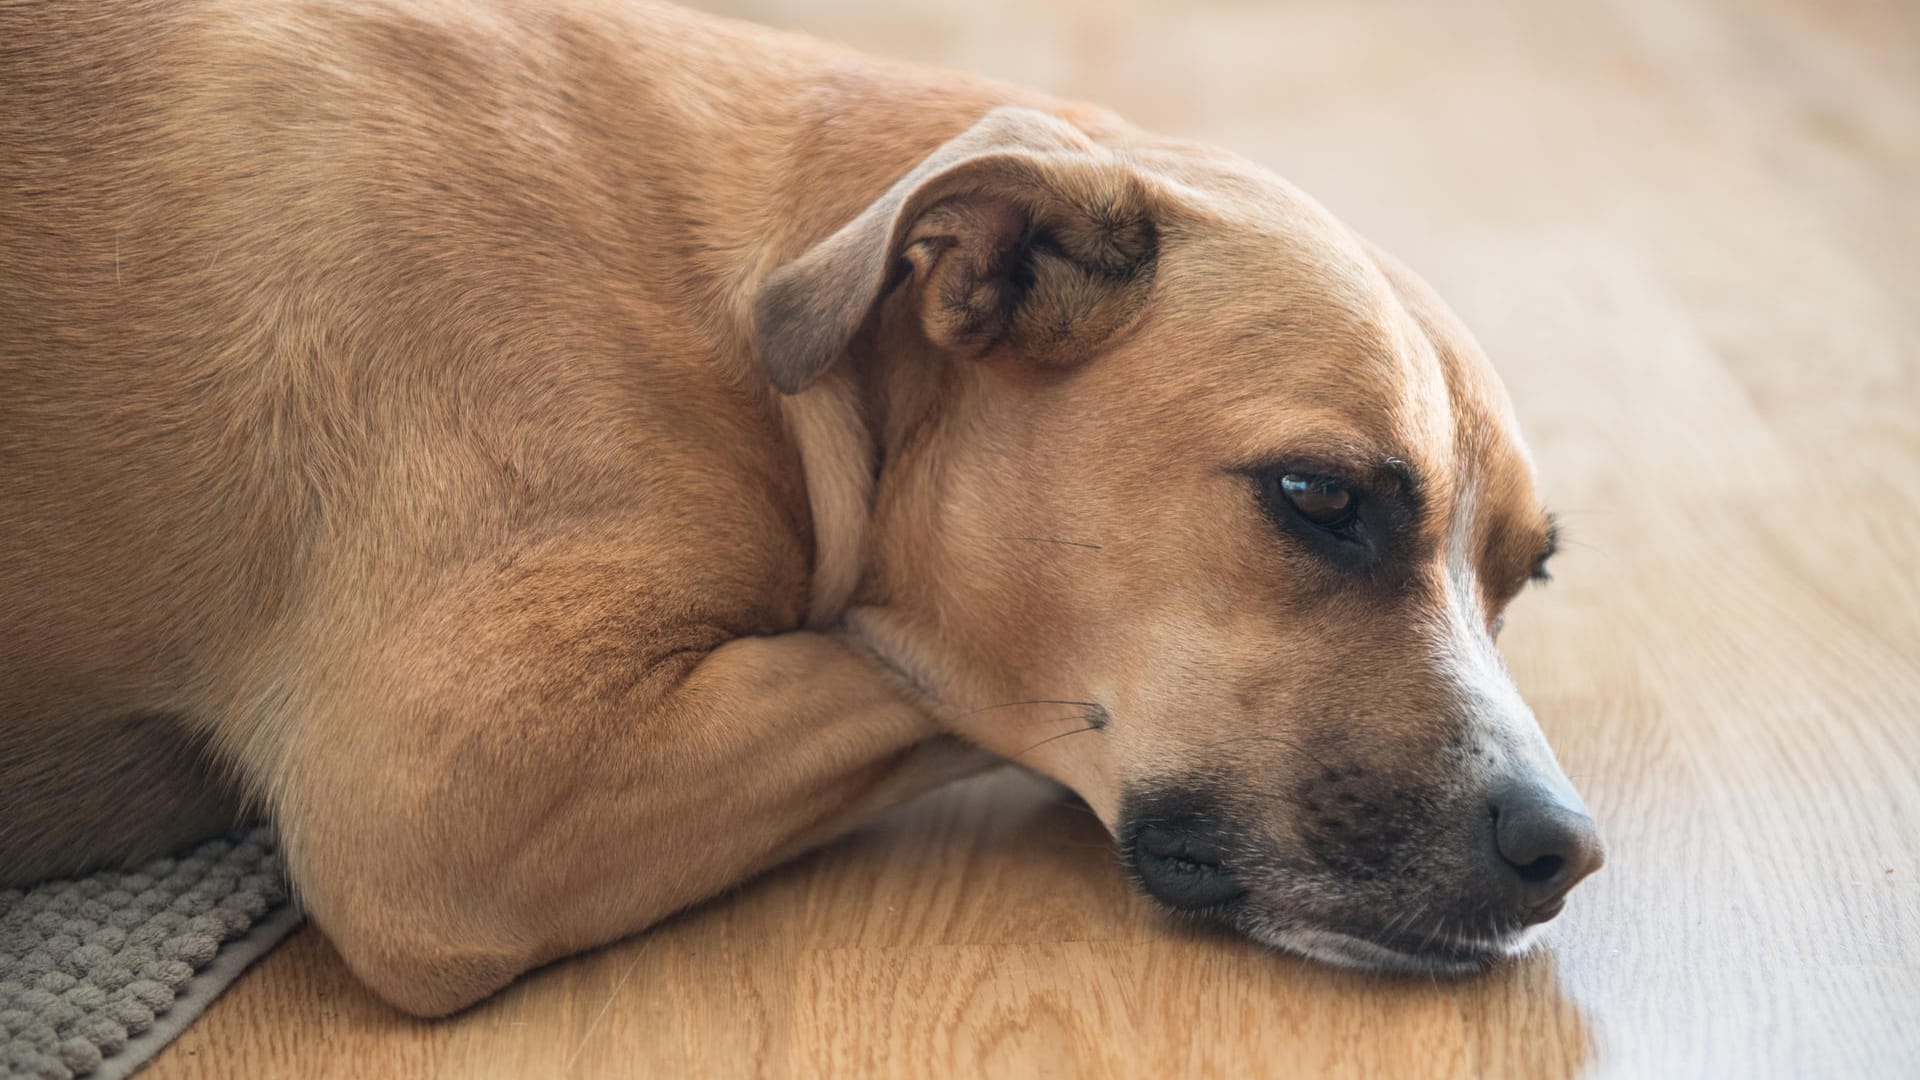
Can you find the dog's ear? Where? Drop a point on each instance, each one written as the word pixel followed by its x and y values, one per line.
pixel 1019 234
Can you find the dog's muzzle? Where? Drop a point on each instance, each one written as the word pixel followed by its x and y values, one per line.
pixel 1524 850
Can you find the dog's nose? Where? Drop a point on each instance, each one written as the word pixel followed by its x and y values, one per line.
pixel 1544 845
pixel 1181 866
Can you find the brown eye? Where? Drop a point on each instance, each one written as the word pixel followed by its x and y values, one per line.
pixel 1320 499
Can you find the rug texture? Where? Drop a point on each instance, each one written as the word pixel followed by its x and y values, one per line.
pixel 97 974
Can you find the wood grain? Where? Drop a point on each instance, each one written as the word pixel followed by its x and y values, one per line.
pixel 1686 231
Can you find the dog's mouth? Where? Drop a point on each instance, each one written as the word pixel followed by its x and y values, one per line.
pixel 1431 952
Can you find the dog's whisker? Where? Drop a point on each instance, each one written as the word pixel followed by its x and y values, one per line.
pixel 1574 544
pixel 1404 920
pixel 1414 916
pixel 1030 701
pixel 1051 738
pixel 1057 541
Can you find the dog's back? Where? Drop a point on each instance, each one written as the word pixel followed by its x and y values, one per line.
pixel 118 515
pixel 296 303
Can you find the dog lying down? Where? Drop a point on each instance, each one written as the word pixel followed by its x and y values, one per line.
pixel 557 460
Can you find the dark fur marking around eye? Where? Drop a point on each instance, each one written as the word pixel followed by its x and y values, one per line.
pixel 1379 539
pixel 1552 548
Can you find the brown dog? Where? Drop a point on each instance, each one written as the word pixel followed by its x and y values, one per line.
pixel 559 459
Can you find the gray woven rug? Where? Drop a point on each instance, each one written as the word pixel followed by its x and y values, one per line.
pixel 96 975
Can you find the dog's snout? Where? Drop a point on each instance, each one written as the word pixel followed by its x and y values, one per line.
pixel 1543 845
pixel 1181 864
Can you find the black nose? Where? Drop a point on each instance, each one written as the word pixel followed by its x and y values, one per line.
pixel 1182 866
pixel 1543 844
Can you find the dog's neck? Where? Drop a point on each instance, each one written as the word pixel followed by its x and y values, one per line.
pixel 796 165
pixel 837 459
pixel 852 423
pixel 862 420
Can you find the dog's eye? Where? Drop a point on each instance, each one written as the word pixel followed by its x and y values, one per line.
pixel 1346 522
pixel 1320 499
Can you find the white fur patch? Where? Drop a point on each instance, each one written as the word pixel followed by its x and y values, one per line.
pixel 1468 658
pixel 1345 950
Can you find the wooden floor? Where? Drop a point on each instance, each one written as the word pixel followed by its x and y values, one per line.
pixel 1689 234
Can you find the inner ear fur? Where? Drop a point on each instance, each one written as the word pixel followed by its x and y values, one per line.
pixel 1019 235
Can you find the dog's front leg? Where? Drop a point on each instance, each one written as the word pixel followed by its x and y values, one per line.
pixel 536 789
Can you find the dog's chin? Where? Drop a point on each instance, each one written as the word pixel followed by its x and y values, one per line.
pixel 1429 955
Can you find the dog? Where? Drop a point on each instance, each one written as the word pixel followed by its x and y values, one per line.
pixel 557 460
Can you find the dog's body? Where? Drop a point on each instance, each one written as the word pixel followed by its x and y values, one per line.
pixel 386 420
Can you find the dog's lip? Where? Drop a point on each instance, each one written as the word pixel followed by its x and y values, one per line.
pixel 1412 952
pixel 1548 910
pixel 1429 947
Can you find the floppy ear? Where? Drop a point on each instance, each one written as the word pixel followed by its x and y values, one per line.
pixel 1020 233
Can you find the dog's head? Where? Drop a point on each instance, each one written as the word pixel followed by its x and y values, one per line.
pixel 1194 502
